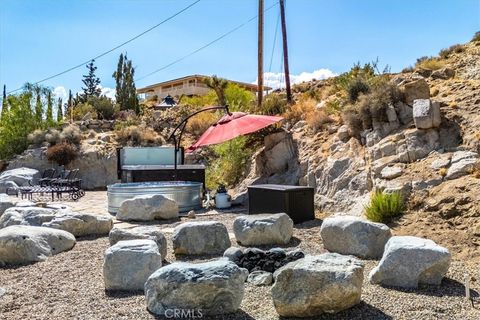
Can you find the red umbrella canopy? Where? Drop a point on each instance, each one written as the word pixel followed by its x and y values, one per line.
pixel 231 126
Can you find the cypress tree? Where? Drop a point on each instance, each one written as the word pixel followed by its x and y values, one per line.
pixel 38 107
pixel 4 102
pixel 49 108
pixel 91 82
pixel 126 95
pixel 60 110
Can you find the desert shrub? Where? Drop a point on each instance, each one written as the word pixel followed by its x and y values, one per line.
pixel 62 153
pixel 82 109
pixel 103 106
pixel 124 115
pixel 383 207
pixel 317 119
pixel 300 109
pixel 229 164
pixel 200 123
pixel 356 88
pixel 138 136
pixel 442 172
pixel 37 137
pixel 408 69
pixel 71 134
pixel 476 36
pixel 371 106
pixel 273 104
pixel 53 136
pixel 153 98
pixel 430 63
pixel 456 48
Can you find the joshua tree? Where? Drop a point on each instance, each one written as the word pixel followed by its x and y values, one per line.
pixel 218 85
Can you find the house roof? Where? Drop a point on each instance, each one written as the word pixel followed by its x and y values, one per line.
pixel 250 86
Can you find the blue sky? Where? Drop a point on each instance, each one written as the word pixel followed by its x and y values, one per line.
pixel 39 38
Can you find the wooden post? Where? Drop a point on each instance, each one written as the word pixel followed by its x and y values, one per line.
pixel 285 51
pixel 260 54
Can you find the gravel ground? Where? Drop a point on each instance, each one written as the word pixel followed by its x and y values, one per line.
pixel 70 286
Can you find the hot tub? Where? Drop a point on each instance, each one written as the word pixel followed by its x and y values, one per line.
pixel 187 194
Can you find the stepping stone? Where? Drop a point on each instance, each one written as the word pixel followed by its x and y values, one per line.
pixel 197 238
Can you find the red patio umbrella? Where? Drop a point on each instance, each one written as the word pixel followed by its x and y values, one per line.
pixel 231 126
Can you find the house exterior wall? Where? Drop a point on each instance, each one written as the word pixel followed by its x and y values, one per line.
pixel 187 87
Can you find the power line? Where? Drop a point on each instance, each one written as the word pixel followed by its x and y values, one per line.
pixel 274 42
pixel 205 46
pixel 116 47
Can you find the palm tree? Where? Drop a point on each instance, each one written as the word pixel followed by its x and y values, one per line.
pixel 218 85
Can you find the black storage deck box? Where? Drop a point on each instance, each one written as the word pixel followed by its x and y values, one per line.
pixel 296 201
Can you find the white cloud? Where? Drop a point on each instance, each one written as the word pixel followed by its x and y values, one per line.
pixel 277 80
pixel 61 92
pixel 109 92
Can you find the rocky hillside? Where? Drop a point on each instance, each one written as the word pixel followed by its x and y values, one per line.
pixel 425 149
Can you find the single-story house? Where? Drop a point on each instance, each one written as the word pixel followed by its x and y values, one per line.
pixel 190 86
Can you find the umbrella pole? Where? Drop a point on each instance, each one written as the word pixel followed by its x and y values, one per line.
pixel 183 125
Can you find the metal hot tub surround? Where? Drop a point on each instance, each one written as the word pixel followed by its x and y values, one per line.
pixel 187 194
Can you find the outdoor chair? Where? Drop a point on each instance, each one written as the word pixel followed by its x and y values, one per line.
pixel 47 176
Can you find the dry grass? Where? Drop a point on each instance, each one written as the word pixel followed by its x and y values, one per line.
pixel 318 119
pixel 431 64
pixel 200 123
pixel 442 172
pixel 299 110
pixel 138 136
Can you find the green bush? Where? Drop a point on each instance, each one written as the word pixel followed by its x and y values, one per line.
pixel 356 88
pixel 103 106
pixel 62 153
pixel 229 164
pixel 239 99
pixel 80 110
pixel 383 207
pixel 274 103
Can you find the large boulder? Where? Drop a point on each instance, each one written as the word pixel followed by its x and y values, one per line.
pixel 314 285
pixel 27 244
pixel 426 114
pixel 262 229
pixel 19 176
pixel 128 264
pixel 81 224
pixel 5 203
pixel 355 236
pixel 214 287
pixel 408 261
pixel 147 208
pixel 462 163
pixel 29 216
pixel 416 89
pixel 204 237
pixel 143 232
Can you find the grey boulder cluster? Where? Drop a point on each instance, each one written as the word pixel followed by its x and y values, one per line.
pixel 406 261
pixel 30 234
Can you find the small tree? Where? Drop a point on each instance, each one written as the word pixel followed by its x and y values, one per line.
pixel 91 82
pixel 49 114
pixel 218 85
pixel 59 110
pixel 126 92
pixel 4 102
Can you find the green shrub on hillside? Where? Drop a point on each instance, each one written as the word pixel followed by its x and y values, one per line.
pixel 229 164
pixel 476 37
pixel 239 99
pixel 273 104
pixel 383 207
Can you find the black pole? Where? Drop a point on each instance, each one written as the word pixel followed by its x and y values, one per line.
pixel 182 125
pixel 285 51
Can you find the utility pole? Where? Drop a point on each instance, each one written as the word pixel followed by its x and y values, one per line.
pixel 285 51
pixel 260 53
